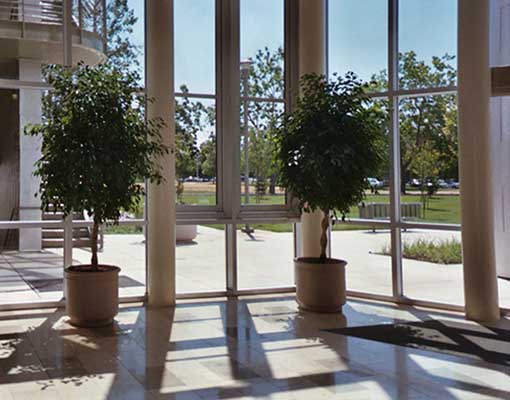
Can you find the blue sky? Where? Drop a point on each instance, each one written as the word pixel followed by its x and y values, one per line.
pixel 357 34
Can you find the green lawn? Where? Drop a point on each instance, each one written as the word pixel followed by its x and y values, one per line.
pixel 442 209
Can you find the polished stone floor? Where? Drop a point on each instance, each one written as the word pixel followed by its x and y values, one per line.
pixel 255 347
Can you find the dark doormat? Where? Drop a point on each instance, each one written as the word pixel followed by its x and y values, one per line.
pixel 456 338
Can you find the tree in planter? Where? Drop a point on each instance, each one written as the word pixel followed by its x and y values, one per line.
pixel 96 144
pixel 328 146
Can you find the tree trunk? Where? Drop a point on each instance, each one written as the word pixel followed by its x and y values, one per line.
pixel 272 184
pixel 93 245
pixel 324 236
pixel 403 179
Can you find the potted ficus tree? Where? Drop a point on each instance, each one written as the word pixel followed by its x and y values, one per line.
pixel 327 147
pixel 97 149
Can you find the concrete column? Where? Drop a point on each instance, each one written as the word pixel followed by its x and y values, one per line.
pixel 161 198
pixel 480 282
pixel 312 59
pixel 30 151
pixel 500 136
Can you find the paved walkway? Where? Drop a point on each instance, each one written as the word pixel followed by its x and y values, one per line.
pixel 265 260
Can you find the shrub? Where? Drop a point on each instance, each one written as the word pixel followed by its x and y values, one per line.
pixel 444 251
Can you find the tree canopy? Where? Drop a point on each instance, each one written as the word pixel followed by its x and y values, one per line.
pixel 96 143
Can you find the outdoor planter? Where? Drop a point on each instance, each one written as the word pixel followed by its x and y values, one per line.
pixel 85 289
pixel 320 286
pixel 185 233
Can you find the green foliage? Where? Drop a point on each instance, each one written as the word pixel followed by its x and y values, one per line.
pixel 120 20
pixel 208 156
pixel 329 144
pixel 425 121
pixel 97 144
pixel 446 251
pixel 425 165
pixel 265 80
pixel 191 117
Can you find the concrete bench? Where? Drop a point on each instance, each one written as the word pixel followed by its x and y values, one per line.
pixel 381 211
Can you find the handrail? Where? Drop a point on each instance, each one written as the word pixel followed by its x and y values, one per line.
pixel 88 15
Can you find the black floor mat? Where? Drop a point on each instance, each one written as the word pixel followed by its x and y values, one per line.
pixel 456 338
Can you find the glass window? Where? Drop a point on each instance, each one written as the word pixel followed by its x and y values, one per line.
pixel 265 254
pixel 429 159
pixel 195 49
pixel 353 47
pixel 29 272
pixel 200 256
pixel 427 56
pixel 367 251
pixel 196 144
pixel 262 94
pixel 261 187
pixel 432 265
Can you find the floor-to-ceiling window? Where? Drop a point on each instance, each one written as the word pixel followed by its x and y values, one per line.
pixel 415 251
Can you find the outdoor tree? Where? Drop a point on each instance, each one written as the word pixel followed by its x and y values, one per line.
pixel 425 121
pixel 191 118
pixel 425 165
pixel 266 80
pixel 120 20
pixel 208 156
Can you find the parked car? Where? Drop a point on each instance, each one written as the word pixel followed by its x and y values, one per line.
pixel 443 184
pixel 375 183
pixel 415 182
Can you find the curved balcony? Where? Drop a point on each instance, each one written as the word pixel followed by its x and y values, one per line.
pixel 33 29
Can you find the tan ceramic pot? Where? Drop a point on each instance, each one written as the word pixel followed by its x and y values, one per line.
pixel 92 297
pixel 320 287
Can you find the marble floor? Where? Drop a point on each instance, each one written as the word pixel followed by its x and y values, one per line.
pixel 249 348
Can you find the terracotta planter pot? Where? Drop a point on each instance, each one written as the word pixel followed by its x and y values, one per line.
pixel 92 297
pixel 320 287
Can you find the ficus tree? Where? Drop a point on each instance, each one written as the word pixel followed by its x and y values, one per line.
pixel 97 144
pixel 328 145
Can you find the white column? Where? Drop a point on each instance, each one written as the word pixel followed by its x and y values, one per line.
pixel 29 153
pixel 312 59
pixel 480 282
pixel 500 135
pixel 161 198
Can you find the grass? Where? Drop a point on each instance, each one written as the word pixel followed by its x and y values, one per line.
pixel 442 209
pixel 122 230
pixel 446 251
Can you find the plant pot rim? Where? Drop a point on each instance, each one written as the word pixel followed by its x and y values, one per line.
pixel 87 269
pixel 319 261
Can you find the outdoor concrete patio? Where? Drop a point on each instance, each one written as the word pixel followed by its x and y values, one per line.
pixel 264 258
